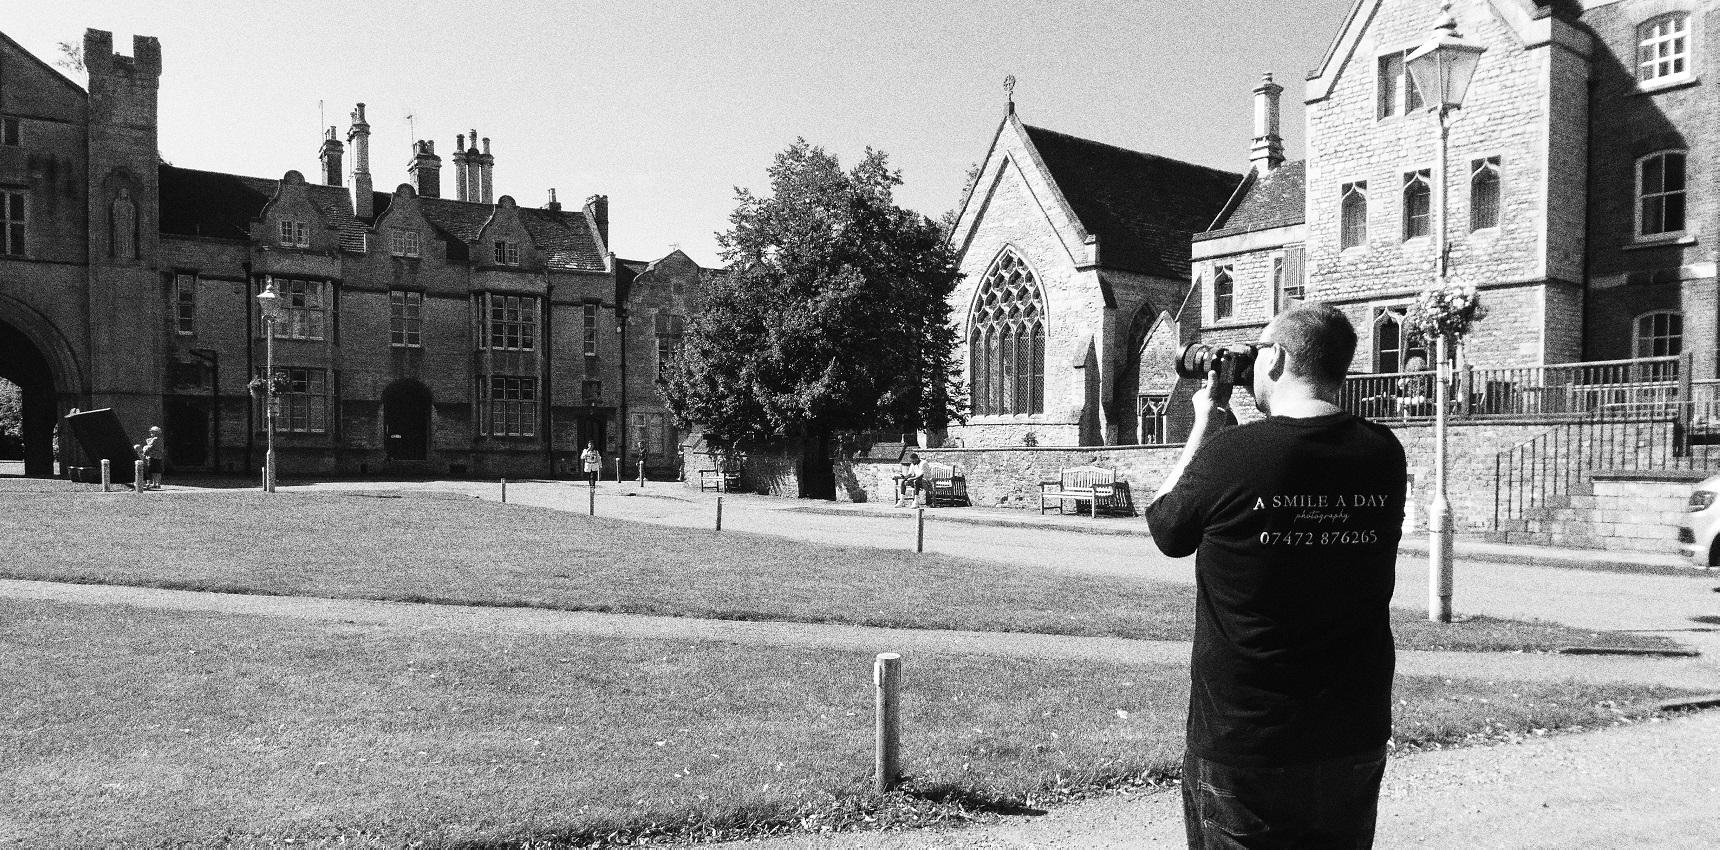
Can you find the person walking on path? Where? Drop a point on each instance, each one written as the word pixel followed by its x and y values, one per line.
pixel 1294 522
pixel 592 460
pixel 152 451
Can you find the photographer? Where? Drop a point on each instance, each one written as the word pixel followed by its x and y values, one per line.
pixel 1294 521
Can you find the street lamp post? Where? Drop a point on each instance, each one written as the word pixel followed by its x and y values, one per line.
pixel 1442 68
pixel 269 303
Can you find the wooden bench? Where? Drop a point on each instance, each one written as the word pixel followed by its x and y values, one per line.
pixel 1095 485
pixel 946 486
pixel 723 477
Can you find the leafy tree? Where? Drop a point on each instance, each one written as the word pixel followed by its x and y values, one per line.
pixel 832 314
pixel 11 409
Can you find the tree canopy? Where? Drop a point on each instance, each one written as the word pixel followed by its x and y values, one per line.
pixel 832 313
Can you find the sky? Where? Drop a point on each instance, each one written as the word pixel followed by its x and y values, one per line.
pixel 668 106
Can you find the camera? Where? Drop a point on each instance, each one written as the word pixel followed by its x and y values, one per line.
pixel 1233 363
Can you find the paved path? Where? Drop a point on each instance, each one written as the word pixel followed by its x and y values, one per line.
pixel 1679 605
pixel 1684 673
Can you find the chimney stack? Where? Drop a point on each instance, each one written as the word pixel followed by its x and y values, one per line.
pixel 331 155
pixel 425 169
pixel 359 136
pixel 553 205
pixel 462 170
pixel 597 207
pixel 1268 150
pixel 486 164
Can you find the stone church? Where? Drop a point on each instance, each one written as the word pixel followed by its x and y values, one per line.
pixel 1075 263
pixel 424 331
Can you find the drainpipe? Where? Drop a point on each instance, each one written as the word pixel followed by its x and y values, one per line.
pixel 250 370
pixel 544 336
pixel 621 331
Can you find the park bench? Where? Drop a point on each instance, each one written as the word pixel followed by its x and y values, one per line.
pixel 1094 485
pixel 946 486
pixel 722 477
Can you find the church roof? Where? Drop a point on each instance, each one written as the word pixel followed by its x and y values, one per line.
pixel 1265 202
pixel 1142 207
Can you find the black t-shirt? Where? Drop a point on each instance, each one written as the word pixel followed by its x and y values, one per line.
pixel 1296 524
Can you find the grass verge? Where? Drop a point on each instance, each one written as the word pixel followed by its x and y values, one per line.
pixel 467 552
pixel 145 727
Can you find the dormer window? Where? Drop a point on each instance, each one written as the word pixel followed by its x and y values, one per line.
pixel 403 243
pixel 294 233
pixel 507 252
pixel 1663 49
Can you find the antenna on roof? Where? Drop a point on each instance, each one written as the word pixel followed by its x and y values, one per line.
pixel 322 120
pixel 411 126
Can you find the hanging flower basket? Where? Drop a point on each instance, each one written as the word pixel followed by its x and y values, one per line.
pixel 1449 311
pixel 257 384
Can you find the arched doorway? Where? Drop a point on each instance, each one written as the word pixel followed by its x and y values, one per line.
pixel 23 365
pixel 406 420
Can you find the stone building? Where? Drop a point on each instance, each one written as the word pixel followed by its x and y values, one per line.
pixel 1580 187
pixel 422 334
pixel 1075 260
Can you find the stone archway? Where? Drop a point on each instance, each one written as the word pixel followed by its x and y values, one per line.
pixel 24 365
pixel 406 420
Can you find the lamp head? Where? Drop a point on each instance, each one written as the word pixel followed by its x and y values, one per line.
pixel 269 302
pixel 1444 64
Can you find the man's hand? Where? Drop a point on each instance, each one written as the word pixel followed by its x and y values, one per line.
pixel 1211 404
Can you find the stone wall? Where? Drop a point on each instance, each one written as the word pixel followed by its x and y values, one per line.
pixel 1507 114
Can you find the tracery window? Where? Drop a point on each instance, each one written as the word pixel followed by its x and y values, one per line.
pixel 1006 340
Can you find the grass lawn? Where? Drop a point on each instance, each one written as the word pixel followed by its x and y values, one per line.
pixel 145 727
pixel 483 553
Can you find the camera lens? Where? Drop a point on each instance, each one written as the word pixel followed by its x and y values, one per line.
pixel 1194 360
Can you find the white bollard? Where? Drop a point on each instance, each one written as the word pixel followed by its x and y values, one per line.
pixel 591 509
pixel 641 473
pixel 887 677
pixel 138 475
pixel 107 475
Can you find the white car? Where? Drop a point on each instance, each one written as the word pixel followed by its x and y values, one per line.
pixel 1702 524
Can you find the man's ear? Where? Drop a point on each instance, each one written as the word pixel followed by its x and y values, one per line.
pixel 1279 364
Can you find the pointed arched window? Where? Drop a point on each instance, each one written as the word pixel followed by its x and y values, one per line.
pixel 1006 340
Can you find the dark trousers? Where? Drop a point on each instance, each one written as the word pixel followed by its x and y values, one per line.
pixel 1324 804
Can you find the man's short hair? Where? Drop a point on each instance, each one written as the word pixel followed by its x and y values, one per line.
pixel 1320 339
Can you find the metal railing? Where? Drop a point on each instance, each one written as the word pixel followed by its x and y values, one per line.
pixel 1643 387
pixel 1665 420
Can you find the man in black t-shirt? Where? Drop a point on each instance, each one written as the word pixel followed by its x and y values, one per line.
pixel 1294 521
